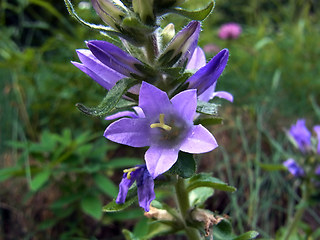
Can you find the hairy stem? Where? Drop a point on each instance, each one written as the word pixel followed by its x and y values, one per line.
pixel 184 206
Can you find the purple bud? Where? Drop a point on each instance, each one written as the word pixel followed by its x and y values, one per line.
pixel 293 168
pixel 301 135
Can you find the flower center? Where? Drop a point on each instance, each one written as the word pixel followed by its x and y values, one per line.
pixel 129 171
pixel 161 124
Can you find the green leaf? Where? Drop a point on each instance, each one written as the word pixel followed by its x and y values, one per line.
pixel 130 199
pixel 222 231
pixel 39 180
pixel 205 180
pixel 92 206
pixel 273 167
pixel 195 15
pixel 208 121
pixel 247 236
pixel 123 162
pixel 110 101
pixel 185 166
pixel 129 235
pixel 199 195
pixel 65 200
pixel 207 108
pixel 106 185
pixel 158 229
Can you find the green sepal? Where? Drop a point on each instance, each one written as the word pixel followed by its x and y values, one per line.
pixel 185 166
pixel 205 180
pixel 110 101
pixel 134 23
pixel 130 199
pixel 198 15
pixel 207 108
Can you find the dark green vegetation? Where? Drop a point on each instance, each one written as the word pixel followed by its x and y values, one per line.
pixel 57 171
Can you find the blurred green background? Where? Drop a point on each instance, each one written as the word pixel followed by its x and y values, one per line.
pixel 57 170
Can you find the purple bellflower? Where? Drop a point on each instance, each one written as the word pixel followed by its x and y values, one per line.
pixel 301 135
pixel 145 186
pixel 317 171
pixel 294 168
pixel 165 125
pixel 205 79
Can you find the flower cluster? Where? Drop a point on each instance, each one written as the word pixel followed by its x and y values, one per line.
pixel 163 117
pixel 230 31
pixel 303 140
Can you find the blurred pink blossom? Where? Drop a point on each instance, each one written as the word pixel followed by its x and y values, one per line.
pixel 230 31
pixel 211 48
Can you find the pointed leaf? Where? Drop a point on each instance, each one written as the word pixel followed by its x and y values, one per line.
pixel 207 108
pixel 110 101
pixel 205 180
pixel 222 231
pixel 106 185
pixel 130 199
pixel 247 236
pixel 195 15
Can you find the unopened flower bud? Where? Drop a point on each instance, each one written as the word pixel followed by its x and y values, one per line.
pixel 144 8
pixel 167 34
pixel 108 12
pixel 182 45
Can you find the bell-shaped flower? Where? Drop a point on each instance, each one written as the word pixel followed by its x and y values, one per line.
pixel 205 79
pixel 317 131
pixel 94 68
pixel 294 168
pixel 145 186
pixel 182 46
pixel 166 126
pixel 301 135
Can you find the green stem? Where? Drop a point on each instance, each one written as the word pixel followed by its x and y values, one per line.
pixel 151 49
pixel 184 206
pixel 299 213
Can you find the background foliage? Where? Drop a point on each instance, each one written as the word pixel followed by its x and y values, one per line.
pixel 56 168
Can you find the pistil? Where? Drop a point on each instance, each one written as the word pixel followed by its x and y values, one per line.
pixel 161 124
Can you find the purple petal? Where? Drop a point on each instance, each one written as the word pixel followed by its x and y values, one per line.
pixel 317 171
pixel 124 186
pixel 301 135
pixel 224 95
pixel 129 114
pixel 95 69
pixel 208 94
pixel 198 59
pixel 146 193
pixel 199 140
pixel 293 168
pixel 317 130
pixel 131 132
pixel 153 101
pixel 208 75
pixel 185 104
pixel 160 160
pixel 114 57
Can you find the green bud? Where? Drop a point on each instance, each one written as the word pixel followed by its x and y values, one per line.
pixel 167 34
pixel 144 8
pixel 109 12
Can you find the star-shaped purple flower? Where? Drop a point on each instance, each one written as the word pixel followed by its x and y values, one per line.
pixel 166 126
pixel 145 185
pixel 294 168
pixel 205 79
pixel 301 135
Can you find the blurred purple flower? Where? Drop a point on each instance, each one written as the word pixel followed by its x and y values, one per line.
pixel 301 135
pixel 167 127
pixel 317 131
pixel 205 79
pixel 211 48
pixel 230 31
pixel 145 185
pixel 293 168
pixel 317 171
